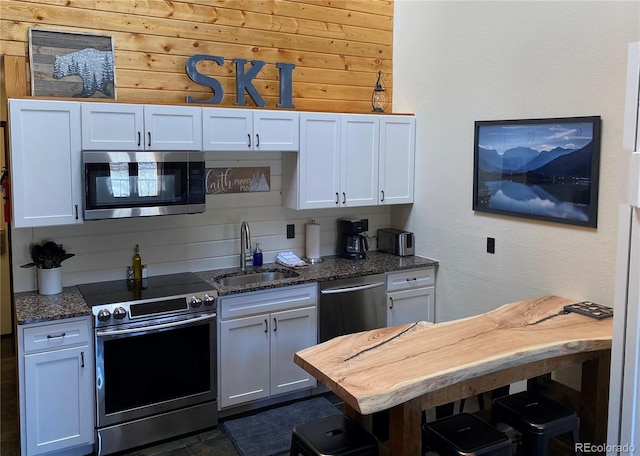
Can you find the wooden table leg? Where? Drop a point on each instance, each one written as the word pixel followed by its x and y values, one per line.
pixel 595 399
pixel 362 420
pixel 405 432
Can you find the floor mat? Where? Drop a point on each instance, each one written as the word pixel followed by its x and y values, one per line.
pixel 268 433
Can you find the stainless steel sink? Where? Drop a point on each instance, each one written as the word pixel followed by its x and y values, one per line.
pixel 256 277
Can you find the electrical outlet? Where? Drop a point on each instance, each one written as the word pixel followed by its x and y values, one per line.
pixel 491 245
pixel 291 231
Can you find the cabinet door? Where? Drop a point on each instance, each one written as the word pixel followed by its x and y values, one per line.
pixel 291 331
pixel 276 131
pixel 112 126
pixel 244 360
pixel 319 161
pixel 397 162
pixel 359 162
pixel 172 127
pixel 45 162
pixel 227 129
pixel 410 306
pixel 58 399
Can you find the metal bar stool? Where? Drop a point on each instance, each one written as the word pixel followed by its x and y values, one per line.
pixel 537 418
pixel 465 435
pixel 334 435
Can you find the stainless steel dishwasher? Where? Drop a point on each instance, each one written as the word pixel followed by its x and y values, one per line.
pixel 351 305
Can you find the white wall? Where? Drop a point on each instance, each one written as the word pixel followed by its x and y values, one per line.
pixel 457 62
pixel 103 249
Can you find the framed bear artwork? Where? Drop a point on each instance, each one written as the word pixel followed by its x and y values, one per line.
pixel 74 65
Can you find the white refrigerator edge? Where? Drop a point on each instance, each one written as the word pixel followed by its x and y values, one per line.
pixel 623 433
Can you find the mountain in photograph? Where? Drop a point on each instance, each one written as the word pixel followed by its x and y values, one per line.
pixel 555 162
pixel 575 164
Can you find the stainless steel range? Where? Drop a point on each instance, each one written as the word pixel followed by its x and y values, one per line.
pixel 155 344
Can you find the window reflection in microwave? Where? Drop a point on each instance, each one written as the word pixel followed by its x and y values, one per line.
pixel 119 179
pixel 146 180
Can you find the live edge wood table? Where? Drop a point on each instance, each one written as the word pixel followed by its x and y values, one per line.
pixel 409 368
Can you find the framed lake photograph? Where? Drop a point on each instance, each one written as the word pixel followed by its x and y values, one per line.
pixel 544 169
pixel 66 64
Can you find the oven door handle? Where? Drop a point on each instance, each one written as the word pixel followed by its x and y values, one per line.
pixel 151 327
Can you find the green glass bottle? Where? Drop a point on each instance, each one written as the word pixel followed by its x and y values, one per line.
pixel 137 264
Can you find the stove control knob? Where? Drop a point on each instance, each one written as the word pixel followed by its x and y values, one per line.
pixel 104 315
pixel 195 301
pixel 119 313
pixel 209 300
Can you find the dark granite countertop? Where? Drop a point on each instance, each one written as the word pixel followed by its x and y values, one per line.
pixel 32 307
pixel 332 268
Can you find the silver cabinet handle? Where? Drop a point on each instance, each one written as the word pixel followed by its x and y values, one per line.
pixel 249 140
pixel 149 133
pixel 81 359
pixel 382 191
pixel 257 140
pixel 337 198
pixel 59 336
pixel 275 325
pixel 391 300
pixel 76 212
pixel 344 198
pixel 266 325
pixel 139 138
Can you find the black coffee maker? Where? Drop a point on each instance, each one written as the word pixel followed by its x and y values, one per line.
pixel 352 244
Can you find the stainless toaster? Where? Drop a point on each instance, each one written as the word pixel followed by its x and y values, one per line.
pixel 398 242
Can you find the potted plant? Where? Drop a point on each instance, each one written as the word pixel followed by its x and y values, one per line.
pixel 47 258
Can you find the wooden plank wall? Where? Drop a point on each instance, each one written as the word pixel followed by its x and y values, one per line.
pixel 338 46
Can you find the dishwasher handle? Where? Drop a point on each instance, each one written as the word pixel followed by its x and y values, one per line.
pixel 337 290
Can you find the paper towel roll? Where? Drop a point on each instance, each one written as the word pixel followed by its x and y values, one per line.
pixel 312 238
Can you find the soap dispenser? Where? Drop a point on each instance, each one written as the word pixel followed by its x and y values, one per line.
pixel 257 256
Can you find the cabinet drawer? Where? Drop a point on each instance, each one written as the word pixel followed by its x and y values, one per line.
pixel 47 337
pixel 254 302
pixel 411 278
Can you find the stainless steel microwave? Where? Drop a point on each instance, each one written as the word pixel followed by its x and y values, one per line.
pixel 136 184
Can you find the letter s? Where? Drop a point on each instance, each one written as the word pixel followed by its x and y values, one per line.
pixel 199 78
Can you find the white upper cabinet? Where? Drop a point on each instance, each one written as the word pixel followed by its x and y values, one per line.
pixel 228 129
pixel 118 126
pixel 45 162
pixel 311 178
pixel 359 160
pixel 350 160
pixel 397 159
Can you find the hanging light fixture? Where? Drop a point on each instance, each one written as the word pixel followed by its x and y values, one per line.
pixel 379 96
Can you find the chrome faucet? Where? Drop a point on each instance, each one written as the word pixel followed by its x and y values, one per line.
pixel 245 246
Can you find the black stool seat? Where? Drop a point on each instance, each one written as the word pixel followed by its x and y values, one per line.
pixel 537 418
pixel 465 434
pixel 334 435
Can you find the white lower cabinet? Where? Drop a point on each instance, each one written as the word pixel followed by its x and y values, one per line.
pixel 56 372
pixel 259 334
pixel 410 296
